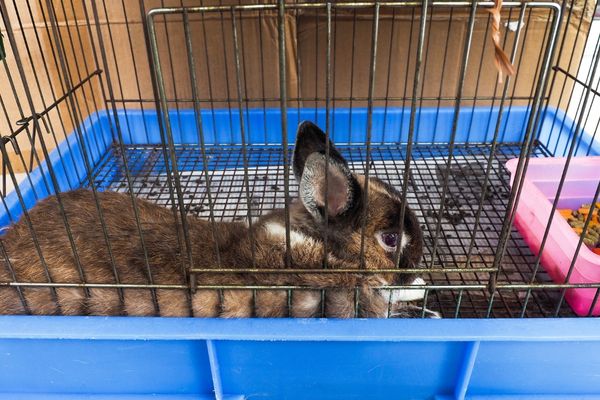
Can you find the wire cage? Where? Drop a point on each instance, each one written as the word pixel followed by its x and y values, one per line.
pixel 194 106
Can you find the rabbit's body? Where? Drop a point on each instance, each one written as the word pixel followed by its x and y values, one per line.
pixel 168 260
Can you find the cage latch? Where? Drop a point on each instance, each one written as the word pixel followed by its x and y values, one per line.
pixel 36 116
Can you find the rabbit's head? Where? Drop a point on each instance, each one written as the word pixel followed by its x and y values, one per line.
pixel 338 207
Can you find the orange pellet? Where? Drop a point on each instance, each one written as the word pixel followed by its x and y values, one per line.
pixel 577 218
pixel 566 213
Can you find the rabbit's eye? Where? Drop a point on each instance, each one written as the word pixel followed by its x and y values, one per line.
pixel 388 240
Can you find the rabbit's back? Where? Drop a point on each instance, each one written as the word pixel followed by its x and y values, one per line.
pixel 89 259
pixel 111 250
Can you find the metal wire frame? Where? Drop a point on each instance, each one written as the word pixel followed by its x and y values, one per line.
pixel 171 157
pixel 578 128
pixel 572 146
pixel 572 78
pixel 77 117
pixel 371 82
pixel 229 188
pixel 532 124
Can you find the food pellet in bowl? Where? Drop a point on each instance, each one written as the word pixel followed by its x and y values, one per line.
pixel 577 218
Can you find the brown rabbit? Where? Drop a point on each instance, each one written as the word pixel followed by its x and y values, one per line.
pixel 307 217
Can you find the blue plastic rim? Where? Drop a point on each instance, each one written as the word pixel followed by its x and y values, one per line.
pixel 173 358
pixel 263 127
pixel 128 358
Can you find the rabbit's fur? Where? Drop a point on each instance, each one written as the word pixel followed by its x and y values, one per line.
pixel 345 205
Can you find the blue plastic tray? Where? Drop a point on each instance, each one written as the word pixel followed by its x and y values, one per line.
pixel 161 358
pixel 127 358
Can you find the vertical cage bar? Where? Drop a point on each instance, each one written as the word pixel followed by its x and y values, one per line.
pixel 49 126
pixel 372 72
pixel 169 135
pixel 171 66
pixel 352 51
pixel 13 276
pixel 488 168
pixel 567 22
pixel 327 135
pixel 135 67
pixel 125 161
pixel 126 168
pixel 523 159
pixel 200 132
pixel 35 119
pixel 243 136
pixel 68 80
pixel 578 130
pixel 586 226
pixel 580 108
pixel 118 82
pixel 25 121
pixel 30 228
pixel 161 129
pixel 93 110
pixel 459 94
pixel 284 133
pixel 388 78
pixel 13 138
pixel 209 75
pixel 411 124
pixel 62 84
pixel 443 69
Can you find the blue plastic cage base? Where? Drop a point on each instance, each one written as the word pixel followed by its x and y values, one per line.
pixel 299 359
pixel 161 358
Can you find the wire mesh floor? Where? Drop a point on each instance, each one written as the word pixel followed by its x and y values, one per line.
pixel 429 163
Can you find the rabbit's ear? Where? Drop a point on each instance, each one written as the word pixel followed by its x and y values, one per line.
pixel 341 190
pixel 310 139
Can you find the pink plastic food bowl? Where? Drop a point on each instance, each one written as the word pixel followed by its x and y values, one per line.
pixel 533 212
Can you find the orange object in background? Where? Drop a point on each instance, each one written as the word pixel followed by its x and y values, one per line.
pixel 586 211
pixel 576 218
pixel 566 213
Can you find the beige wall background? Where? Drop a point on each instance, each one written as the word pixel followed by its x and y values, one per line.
pixel 58 46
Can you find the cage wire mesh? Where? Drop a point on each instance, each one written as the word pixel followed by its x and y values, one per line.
pixel 191 106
